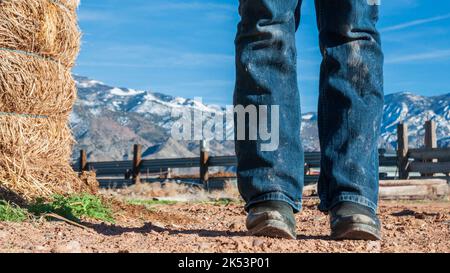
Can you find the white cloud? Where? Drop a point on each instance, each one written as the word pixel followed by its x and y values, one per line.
pixel 432 55
pixel 416 23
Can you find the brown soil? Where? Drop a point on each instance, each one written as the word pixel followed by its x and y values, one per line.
pixel 209 227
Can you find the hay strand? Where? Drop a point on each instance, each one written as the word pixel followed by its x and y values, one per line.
pixel 69 4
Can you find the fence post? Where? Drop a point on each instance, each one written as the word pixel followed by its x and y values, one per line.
pixel 83 161
pixel 430 134
pixel 137 159
pixel 430 139
pixel 169 173
pixel 204 158
pixel 402 150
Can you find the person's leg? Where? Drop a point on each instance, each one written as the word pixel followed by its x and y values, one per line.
pixel 351 102
pixel 266 75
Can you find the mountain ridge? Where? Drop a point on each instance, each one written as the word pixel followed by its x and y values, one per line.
pixel 108 120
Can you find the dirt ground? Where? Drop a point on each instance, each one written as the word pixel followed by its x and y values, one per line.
pixel 208 222
pixel 219 227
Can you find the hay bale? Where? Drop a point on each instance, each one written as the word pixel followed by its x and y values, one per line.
pixel 39 41
pixel 69 4
pixel 29 85
pixel 35 158
pixel 42 27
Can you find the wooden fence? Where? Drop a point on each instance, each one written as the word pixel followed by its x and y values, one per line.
pixel 125 173
pixel 427 161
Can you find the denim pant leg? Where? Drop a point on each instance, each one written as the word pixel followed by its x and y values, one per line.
pixel 266 75
pixel 351 102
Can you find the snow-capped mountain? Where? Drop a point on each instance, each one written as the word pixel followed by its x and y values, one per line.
pixel 107 121
pixel 415 111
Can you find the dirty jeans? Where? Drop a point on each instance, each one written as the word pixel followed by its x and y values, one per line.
pixel 350 101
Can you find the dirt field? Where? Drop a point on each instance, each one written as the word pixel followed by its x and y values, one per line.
pixel 218 227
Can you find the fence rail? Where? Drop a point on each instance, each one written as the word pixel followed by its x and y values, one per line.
pixel 119 173
pixel 427 161
pixel 442 154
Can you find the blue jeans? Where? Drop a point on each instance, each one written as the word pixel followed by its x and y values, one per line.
pixel 350 102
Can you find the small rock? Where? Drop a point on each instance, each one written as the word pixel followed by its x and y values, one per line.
pixel 71 247
pixel 258 242
pixel 158 225
pixel 374 247
pixel 420 223
pixel 41 248
pixel 175 226
pixel 389 227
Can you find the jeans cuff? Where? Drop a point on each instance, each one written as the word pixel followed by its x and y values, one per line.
pixel 358 199
pixel 276 196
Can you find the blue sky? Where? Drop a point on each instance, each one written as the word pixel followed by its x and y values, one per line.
pixel 185 48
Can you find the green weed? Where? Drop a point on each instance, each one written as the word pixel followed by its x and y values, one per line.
pixel 12 213
pixel 74 208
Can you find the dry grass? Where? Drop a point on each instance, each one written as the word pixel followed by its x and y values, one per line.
pixel 42 27
pixel 30 85
pixel 169 191
pixel 34 158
